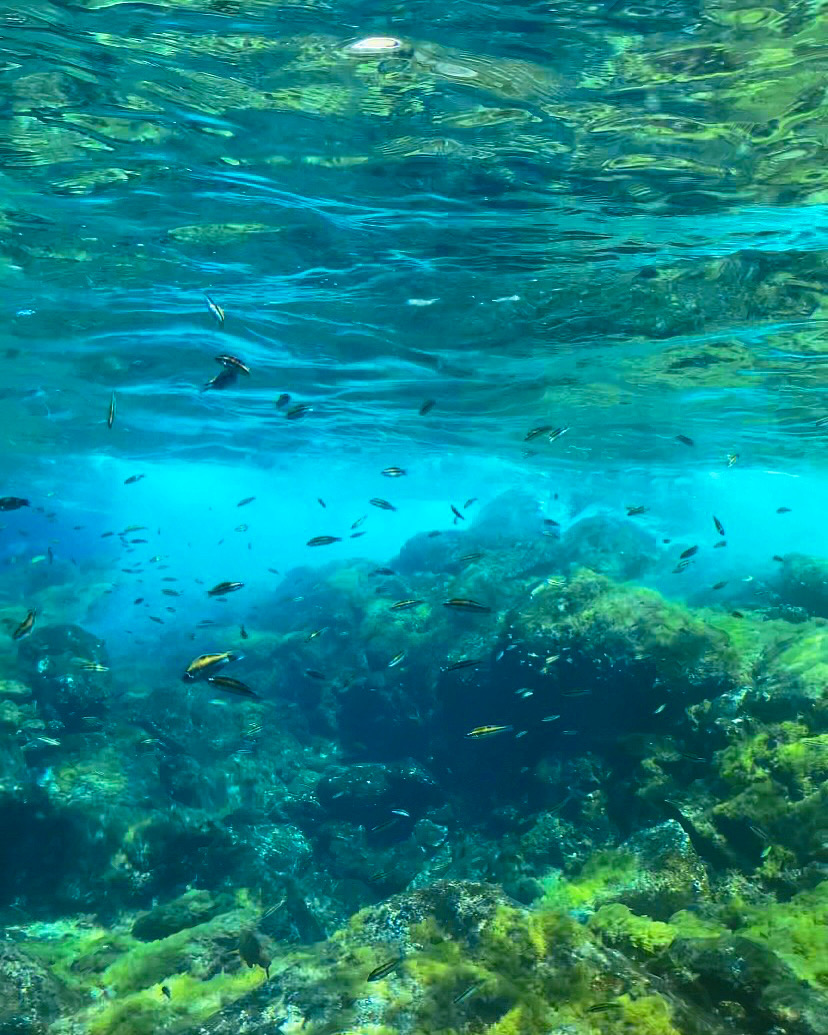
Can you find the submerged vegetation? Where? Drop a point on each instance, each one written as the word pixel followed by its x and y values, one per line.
pixel 653 860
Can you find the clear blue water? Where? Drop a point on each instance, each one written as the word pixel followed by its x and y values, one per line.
pixel 510 216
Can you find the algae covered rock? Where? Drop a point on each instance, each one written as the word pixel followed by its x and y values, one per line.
pixel 748 981
pixel 13 690
pixel 455 956
pixel 656 872
pixel 30 996
pixel 192 908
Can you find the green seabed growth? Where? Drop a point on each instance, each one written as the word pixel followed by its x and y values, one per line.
pixel 622 934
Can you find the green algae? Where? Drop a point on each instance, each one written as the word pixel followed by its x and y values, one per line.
pixel 796 931
pixel 600 880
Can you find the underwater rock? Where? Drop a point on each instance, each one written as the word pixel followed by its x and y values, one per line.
pixel 511 516
pixel 367 791
pixel 163 851
pixel 671 874
pixel 12 690
pixel 30 996
pixel 281 848
pixel 459 956
pixel 614 547
pixel 192 908
pixel 182 777
pixel 803 582
pixel 748 982
pixel 53 658
pixel 609 659
pixel 656 872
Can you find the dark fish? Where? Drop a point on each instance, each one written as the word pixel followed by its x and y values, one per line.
pixel 689 552
pixel 133 478
pixel 25 626
pixel 557 433
pixel 382 504
pixel 216 310
pixel 469 557
pixel 463 663
pixel 685 440
pixel 51 555
pixel 427 406
pixel 393 472
pixel 719 585
pixel 232 686
pixel 139 540
pixel 404 605
pixel 13 503
pixel 469 502
pixel 383 571
pixel 385 824
pixel 323 540
pixel 432 535
pixel 224 587
pixel 223 379
pixel 384 969
pixel 356 535
pixel 321 503
pixel 457 513
pixel 479 732
pixel 719 525
pixel 314 673
pixel 396 659
pixel 253 951
pixel 778 559
pixel 158 621
pixel 138 600
pixel 110 417
pixel 720 544
pixel 299 410
pixel 737 614
pixel 375 878
pixel 537 431
pixel 245 501
pixel 170 592
pixel 604 1007
pixel 243 632
pixel 635 511
pixel 783 510
pixel 464 604
pixel 359 521
pixel 467 993
pixel 233 363
pixel 166 992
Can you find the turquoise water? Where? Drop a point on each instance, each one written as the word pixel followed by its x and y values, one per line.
pixel 564 266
